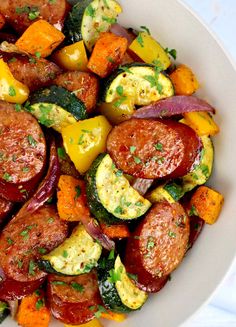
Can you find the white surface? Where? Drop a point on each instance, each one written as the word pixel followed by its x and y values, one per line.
pixel 220 17
pixel 205 266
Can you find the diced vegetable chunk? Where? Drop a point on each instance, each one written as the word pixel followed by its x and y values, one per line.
pixel 72 203
pixel 185 82
pixel 107 54
pixel 150 51
pixel 117 111
pixel 93 323
pixel 202 123
pixel 11 90
pixel 207 204
pixel 72 57
pixel 115 231
pixel 40 39
pixel 32 311
pixel 118 317
pixel 85 140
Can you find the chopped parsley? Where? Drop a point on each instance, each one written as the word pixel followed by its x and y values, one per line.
pixel 10 241
pixel 50 220
pixel 111 255
pixel 111 60
pixel 139 204
pixel 193 211
pixel 58 282
pixel 90 11
pixel 37 54
pixel 120 90
pixel 61 153
pixel 78 192
pixel 119 173
pixel 125 69
pixel 80 142
pixel 171 52
pixel 150 243
pixel 115 276
pixel 171 234
pixel 32 60
pixel 12 91
pixel 33 12
pixel 7 177
pixel 132 149
pixel 13 59
pixel 42 250
pixel 52 1
pixel 140 40
pixel 65 254
pixel 31 141
pixel 77 287
pixel 17 107
pixel 109 20
pixel 25 169
pixel 132 276
pixel 146 29
pixel 158 146
pixel 33 15
pixel 32 267
pixel 100 310
pixel 205 170
pixel 39 304
pixel 154 81
pixel 137 160
pixel 20 264
pixel 118 102
pixel 118 210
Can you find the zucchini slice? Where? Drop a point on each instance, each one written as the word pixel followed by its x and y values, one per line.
pixel 174 190
pixel 76 255
pixel 4 311
pixel 110 196
pixel 61 97
pixel 52 115
pixel 140 82
pixel 88 19
pixel 118 291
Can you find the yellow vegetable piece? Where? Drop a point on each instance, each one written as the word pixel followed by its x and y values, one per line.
pixel 11 90
pixel 72 57
pixel 118 317
pixel 185 82
pixel 93 323
pixel 207 203
pixel 202 123
pixel 160 194
pixel 40 39
pixel 149 50
pixel 85 140
pixel 117 112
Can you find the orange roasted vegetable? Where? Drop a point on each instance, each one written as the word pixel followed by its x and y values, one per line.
pixel 115 231
pixel 207 204
pixel 32 311
pixel 118 317
pixel 185 82
pixel 107 54
pixel 2 21
pixel 40 39
pixel 72 203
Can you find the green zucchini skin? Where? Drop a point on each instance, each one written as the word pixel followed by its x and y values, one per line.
pixel 125 68
pixel 107 289
pixel 61 97
pixel 73 22
pixel 46 266
pixel 4 311
pixel 94 203
pixel 77 255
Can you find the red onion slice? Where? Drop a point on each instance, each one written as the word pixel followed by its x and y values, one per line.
pixel 142 185
pixel 172 106
pixel 47 186
pixel 119 30
pixel 93 229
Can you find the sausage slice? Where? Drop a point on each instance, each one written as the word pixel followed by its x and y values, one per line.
pixel 73 300
pixel 153 148
pixel 31 71
pixel 159 243
pixel 20 14
pixel 5 209
pixel 22 153
pixel 84 85
pixel 25 239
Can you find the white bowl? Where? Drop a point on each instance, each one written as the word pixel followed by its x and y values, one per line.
pixel 207 263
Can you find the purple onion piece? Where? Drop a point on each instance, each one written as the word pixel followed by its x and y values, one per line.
pixel 119 30
pixel 47 186
pixel 142 185
pixel 172 106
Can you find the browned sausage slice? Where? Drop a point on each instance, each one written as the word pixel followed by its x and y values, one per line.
pixel 23 153
pixel 22 13
pixel 25 239
pixel 153 148
pixel 160 241
pixel 84 85
pixel 12 290
pixel 72 298
pixel 5 209
pixel 31 71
